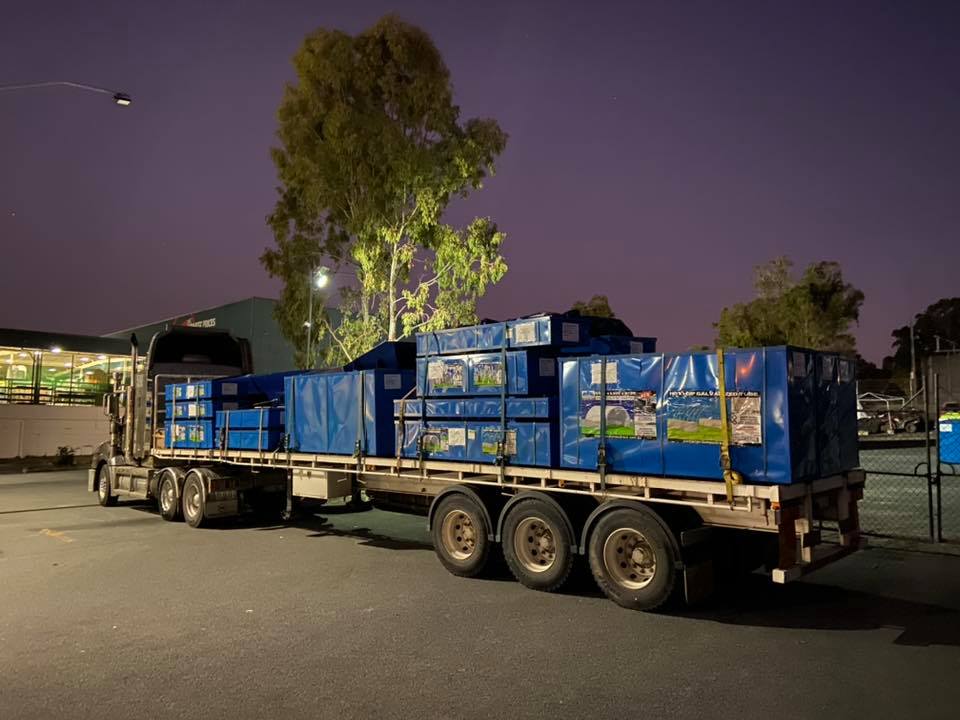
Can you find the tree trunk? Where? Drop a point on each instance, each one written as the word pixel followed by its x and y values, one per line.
pixel 392 296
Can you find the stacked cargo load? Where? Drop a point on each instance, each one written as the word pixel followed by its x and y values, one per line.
pixel 190 411
pixel 489 393
pixel 344 412
pixel 791 414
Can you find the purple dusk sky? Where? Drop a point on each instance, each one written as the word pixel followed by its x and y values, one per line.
pixel 658 151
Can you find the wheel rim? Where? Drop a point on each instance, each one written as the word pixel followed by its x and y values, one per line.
pixel 535 545
pixel 458 535
pixel 192 505
pixel 103 486
pixel 167 498
pixel 629 558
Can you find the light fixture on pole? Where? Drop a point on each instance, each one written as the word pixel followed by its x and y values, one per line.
pixel 319 279
pixel 120 98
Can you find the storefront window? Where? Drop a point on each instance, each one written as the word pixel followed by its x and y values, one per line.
pixel 16 375
pixel 51 376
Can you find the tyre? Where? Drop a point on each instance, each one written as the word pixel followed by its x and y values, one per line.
pixel 633 559
pixel 167 500
pixel 537 544
pixel 192 500
pixel 461 537
pixel 104 497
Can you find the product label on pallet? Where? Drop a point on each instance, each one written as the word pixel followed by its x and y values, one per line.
pixel 228 388
pixel 631 415
pixel 490 439
pixel 798 364
pixel 525 333
pixel 570 332
pixel 488 373
pixel 436 440
pixel 548 367
pixel 446 374
pixel 694 416
pixel 457 437
pixel 596 372
pixel 391 381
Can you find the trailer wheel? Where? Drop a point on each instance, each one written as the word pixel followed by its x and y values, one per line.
pixel 461 537
pixel 167 498
pixel 633 559
pixel 104 497
pixel 192 500
pixel 537 545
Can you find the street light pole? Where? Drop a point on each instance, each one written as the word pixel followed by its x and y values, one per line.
pixel 120 98
pixel 319 277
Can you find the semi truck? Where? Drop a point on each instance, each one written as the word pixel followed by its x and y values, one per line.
pixel 649 540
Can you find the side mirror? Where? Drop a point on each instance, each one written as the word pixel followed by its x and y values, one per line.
pixel 111 404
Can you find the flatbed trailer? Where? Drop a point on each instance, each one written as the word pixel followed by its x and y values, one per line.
pixel 648 539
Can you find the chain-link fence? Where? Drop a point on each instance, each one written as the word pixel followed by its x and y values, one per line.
pixel 897 497
pixel 913 479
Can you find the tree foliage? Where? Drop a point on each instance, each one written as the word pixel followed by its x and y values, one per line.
pixel 942 319
pixel 814 311
pixel 597 306
pixel 371 152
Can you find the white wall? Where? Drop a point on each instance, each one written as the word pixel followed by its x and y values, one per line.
pixel 30 430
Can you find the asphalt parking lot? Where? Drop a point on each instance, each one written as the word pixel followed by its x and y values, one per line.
pixel 111 612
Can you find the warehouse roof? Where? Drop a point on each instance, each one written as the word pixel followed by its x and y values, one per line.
pixel 35 339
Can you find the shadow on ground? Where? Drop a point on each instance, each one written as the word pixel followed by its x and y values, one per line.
pixel 749 601
pixel 755 601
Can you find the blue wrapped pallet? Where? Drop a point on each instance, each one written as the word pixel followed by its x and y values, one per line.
pixel 267 439
pixel 342 412
pixel 538 331
pixel 948 438
pixel 190 434
pixel 199 390
pixel 528 373
pixel 529 443
pixel 661 415
pixel 197 408
pixel 613 345
pixel 477 407
pixel 251 419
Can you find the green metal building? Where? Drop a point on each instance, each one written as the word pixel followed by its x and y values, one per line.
pixel 251 318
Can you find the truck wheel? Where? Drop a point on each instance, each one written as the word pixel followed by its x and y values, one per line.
pixel 461 537
pixel 192 500
pixel 104 497
pixel 167 498
pixel 633 559
pixel 536 545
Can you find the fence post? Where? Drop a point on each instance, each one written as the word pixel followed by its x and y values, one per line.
pixel 937 476
pixel 926 425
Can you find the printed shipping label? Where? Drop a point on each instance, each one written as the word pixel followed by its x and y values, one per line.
pixel 571 332
pixel 191 392
pixel 444 374
pixel 946 427
pixel 488 374
pixel 391 381
pixel 548 367
pixel 525 333
pixel 457 437
pixel 798 364
pixel 471 434
pixel 490 439
pixel 596 372
pixel 694 416
pixel 631 415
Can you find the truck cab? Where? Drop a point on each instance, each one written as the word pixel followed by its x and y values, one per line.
pixel 124 465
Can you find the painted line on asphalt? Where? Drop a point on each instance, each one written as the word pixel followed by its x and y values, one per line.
pixel 57 535
pixel 45 509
